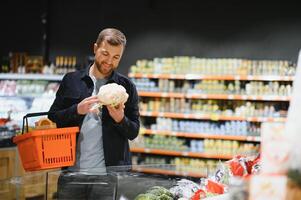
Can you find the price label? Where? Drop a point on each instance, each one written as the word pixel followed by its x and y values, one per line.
pixel 172 76
pixel 214 117
pixel 186 116
pixel 204 96
pixel 147 150
pixel 185 153
pixel 164 94
pixel 237 77
pixel 250 138
pixel 155 76
pixel 250 77
pixel 244 97
pixel 285 98
pixel 191 77
pixel 189 95
pixel 198 116
pixel 174 133
pixel 230 96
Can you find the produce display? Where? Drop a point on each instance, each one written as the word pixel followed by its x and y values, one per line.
pixel 216 184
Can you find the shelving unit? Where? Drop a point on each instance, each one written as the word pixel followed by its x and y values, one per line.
pixel 33 186
pixel 172 172
pixel 46 77
pixel 202 135
pixel 162 82
pixel 212 117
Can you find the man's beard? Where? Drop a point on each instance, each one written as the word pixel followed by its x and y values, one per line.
pixel 102 71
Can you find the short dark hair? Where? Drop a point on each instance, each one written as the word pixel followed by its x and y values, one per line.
pixel 113 36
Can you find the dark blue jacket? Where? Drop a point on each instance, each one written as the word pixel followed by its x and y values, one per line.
pixel 77 86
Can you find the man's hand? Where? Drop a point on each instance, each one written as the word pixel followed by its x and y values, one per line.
pixel 85 105
pixel 117 112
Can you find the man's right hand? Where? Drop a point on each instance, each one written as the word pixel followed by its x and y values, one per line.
pixel 85 105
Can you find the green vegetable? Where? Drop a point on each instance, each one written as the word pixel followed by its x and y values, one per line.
pixel 164 197
pixel 146 197
pixel 158 191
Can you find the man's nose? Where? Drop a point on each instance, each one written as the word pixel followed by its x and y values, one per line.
pixel 110 60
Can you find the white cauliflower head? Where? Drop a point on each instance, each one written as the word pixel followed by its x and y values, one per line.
pixel 112 94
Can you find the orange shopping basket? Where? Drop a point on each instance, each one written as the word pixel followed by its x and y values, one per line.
pixel 46 149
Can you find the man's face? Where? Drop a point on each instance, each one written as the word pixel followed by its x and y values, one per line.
pixel 107 57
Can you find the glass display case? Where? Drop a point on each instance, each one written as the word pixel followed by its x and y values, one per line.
pixel 120 182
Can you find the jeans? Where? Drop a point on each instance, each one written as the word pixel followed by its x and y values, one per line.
pixel 87 187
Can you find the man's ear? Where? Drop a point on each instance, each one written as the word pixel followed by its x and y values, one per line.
pixel 95 47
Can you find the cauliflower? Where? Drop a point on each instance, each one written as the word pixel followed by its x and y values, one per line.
pixel 111 94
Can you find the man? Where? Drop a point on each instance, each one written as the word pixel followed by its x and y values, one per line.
pixel 104 135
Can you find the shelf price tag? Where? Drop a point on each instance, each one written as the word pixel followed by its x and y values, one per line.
pixel 148 113
pixel 250 138
pixel 230 96
pixel 155 76
pixel 173 133
pixel 214 117
pixel 244 97
pixel 186 116
pixel 191 77
pixel 185 153
pixel 172 76
pixel 147 150
pixel 203 96
pixel 160 114
pixel 164 94
pixel 249 77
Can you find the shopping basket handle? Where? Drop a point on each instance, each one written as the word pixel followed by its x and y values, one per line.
pixel 32 115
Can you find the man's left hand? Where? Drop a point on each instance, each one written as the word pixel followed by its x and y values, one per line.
pixel 117 112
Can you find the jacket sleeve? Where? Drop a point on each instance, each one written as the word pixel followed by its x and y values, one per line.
pixel 61 112
pixel 130 124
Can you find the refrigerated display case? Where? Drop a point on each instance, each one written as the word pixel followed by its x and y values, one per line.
pixel 120 182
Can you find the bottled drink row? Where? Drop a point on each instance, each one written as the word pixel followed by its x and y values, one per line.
pixel 214 107
pixel 215 87
pixel 23 63
pixel 209 146
pixel 216 66
pixel 178 164
pixel 240 128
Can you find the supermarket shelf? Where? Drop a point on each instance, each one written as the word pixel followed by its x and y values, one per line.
pixel 33 96
pixel 161 94
pixel 167 172
pixel 47 77
pixel 179 153
pixel 215 96
pixel 202 135
pixel 212 77
pixel 213 117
